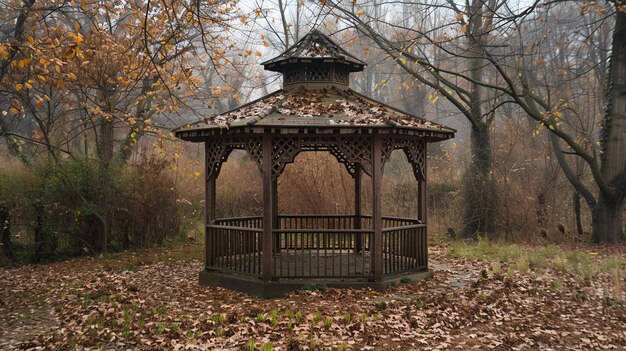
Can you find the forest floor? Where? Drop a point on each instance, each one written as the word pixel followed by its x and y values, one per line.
pixel 482 296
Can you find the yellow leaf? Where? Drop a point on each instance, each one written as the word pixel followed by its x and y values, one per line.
pixel 28 86
pixel 188 16
pixel 464 28
pixel 41 78
pixel 243 19
pixel 4 54
pixel 76 26
pixel 70 53
pixel 403 60
pixel 23 63
pixel 360 13
pixel 196 174
pixel 18 87
pixel 71 75
pixel 257 53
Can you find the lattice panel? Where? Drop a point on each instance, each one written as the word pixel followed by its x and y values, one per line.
pixel 254 146
pixel 341 76
pixel 341 158
pixel 389 144
pixel 317 75
pixel 216 155
pixel 416 154
pixel 356 149
pixel 292 76
pixel 284 151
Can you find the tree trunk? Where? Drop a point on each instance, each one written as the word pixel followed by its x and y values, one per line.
pixel 39 231
pixel 577 208
pixel 608 213
pixel 607 219
pixel 5 230
pixel 479 187
pixel 542 211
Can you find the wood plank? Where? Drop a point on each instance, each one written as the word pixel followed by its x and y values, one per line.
pixel 268 205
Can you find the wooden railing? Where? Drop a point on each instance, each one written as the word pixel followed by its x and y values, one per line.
pixel 316 246
pixel 404 248
pixel 317 253
pixel 234 248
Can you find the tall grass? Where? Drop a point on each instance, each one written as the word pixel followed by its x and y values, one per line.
pixel 536 258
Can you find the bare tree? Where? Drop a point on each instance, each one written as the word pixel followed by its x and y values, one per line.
pixel 495 69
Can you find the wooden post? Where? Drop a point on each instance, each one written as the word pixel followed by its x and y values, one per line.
pixel 377 220
pixel 422 203
pixel 268 207
pixel 209 207
pixel 422 208
pixel 275 219
pixel 357 207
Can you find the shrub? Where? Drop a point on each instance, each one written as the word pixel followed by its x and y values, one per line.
pixel 75 206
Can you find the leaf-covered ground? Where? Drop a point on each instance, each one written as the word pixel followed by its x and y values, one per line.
pixel 153 301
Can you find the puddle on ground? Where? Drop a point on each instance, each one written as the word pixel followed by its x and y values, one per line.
pixel 458 279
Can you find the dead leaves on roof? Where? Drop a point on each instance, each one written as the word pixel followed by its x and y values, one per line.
pixel 341 107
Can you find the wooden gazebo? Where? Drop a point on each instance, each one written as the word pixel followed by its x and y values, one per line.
pixel 314 111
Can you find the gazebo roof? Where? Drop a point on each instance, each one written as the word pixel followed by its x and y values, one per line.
pixel 316 94
pixel 316 108
pixel 314 46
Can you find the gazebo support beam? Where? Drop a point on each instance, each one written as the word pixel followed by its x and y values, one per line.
pixel 268 208
pixel 422 205
pixel 377 220
pixel 209 206
pixel 358 211
pixel 275 219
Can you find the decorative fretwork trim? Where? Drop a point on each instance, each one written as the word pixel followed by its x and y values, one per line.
pixel 349 150
pixel 416 154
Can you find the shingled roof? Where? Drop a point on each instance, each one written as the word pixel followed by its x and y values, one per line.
pixel 317 108
pixel 316 94
pixel 314 45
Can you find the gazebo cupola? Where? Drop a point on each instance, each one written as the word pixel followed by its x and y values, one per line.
pixel 274 252
pixel 315 62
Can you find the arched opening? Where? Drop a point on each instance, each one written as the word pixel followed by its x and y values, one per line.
pixel 315 183
pixel 239 187
pixel 399 188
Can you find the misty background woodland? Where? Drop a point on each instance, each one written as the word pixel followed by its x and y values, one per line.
pixel 91 90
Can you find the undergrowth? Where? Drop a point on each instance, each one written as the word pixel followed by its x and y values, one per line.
pixel 583 264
